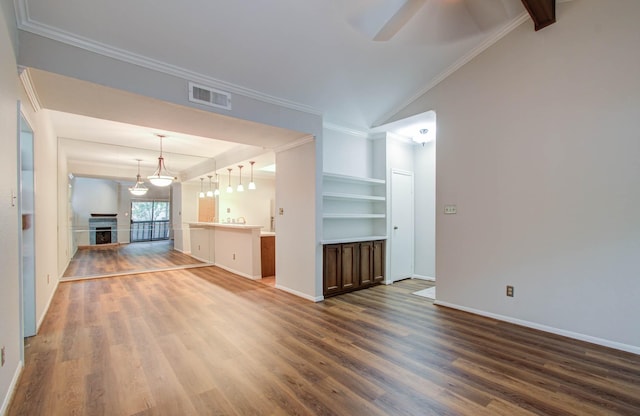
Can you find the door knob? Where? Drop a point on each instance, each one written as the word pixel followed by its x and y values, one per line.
pixel 395 227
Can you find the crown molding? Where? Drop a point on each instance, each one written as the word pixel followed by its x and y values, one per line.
pixel 25 78
pixel 29 25
pixel 296 143
pixel 505 30
pixel 346 130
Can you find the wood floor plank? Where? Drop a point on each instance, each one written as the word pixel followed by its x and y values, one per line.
pixel 204 341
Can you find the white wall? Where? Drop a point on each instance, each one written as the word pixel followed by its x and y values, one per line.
pixel 347 154
pixel 297 247
pixel 10 333
pixel 255 206
pixel 538 146
pixel 425 210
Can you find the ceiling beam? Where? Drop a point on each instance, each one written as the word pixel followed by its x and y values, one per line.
pixel 542 12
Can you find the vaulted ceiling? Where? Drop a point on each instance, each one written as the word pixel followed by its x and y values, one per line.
pixel 356 62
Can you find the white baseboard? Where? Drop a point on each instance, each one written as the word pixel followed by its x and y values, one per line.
pixel 421 277
pixel 229 269
pixel 46 308
pixel 300 294
pixel 569 334
pixel 12 389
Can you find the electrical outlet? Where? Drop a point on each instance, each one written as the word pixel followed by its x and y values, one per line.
pixel 234 256
pixel 281 211
pixel 2 357
pixel 450 209
pixel 510 291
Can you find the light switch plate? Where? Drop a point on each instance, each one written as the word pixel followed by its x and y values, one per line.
pixel 450 209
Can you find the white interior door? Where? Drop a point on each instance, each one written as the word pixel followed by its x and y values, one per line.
pixel 402 227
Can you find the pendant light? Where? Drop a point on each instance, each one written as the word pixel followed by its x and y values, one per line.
pixel 252 184
pixel 216 192
pixel 229 188
pixel 240 187
pixel 201 194
pixel 160 177
pixel 138 189
pixel 209 192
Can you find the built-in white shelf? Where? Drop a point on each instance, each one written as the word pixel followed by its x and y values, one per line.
pixel 352 216
pixel 354 197
pixel 354 239
pixel 353 179
pixel 354 208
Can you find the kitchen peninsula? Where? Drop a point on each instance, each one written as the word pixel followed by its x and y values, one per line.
pixel 233 247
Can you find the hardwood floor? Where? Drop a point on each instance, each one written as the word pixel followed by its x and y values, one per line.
pixel 205 342
pixel 124 258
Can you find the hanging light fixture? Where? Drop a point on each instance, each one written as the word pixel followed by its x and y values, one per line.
pixel 209 192
pixel 216 192
pixel 240 187
pixel 160 177
pixel 138 189
pixel 229 188
pixel 201 194
pixel 252 184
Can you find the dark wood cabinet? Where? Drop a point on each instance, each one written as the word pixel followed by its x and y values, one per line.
pixel 352 266
pixel 268 255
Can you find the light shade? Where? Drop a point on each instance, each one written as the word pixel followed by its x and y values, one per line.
pixel 209 192
pixel 252 184
pixel 138 189
pixel 201 193
pixel 229 188
pixel 240 188
pixel 160 177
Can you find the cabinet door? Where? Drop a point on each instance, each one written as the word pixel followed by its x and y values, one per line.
pixel 332 281
pixel 378 261
pixel 366 263
pixel 350 274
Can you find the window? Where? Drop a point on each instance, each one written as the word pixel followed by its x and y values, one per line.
pixel 149 220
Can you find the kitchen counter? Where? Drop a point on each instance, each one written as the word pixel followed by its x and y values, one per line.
pixel 233 247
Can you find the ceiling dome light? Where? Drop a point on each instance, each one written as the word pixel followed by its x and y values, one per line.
pixel 422 137
pixel 138 189
pixel 160 177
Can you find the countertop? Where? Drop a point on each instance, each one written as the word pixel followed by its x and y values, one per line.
pixel 225 225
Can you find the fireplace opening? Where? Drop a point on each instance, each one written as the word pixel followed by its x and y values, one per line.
pixel 103 235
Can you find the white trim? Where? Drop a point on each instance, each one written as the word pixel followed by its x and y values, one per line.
pixel 166 269
pixel 12 389
pixel 569 334
pixel 296 143
pixel 463 60
pixel 300 294
pixel 29 25
pixel 245 275
pixel 27 83
pixel 421 277
pixel 345 130
pixel 46 308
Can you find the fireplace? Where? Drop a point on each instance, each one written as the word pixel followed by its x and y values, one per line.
pixel 103 229
pixel 103 235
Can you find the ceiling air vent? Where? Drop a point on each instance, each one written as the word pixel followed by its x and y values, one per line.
pixel 209 96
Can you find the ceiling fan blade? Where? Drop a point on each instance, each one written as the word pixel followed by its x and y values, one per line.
pixel 398 20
